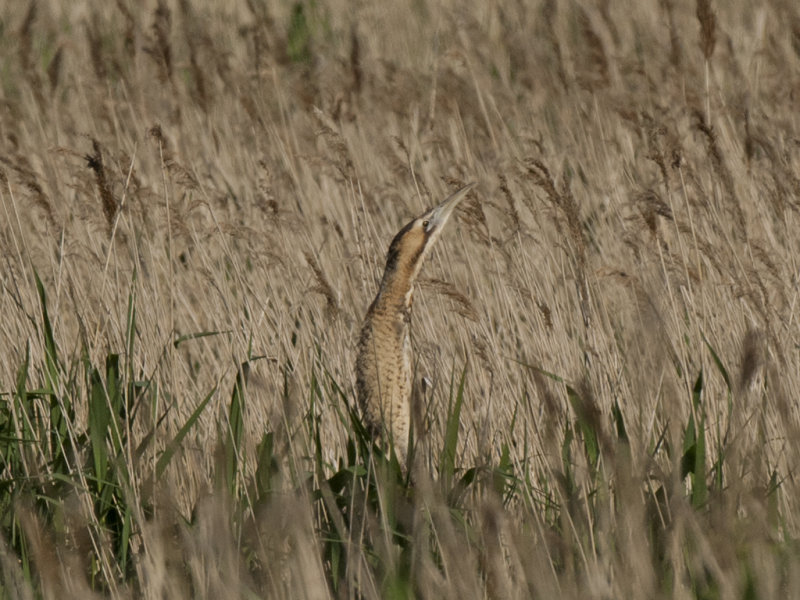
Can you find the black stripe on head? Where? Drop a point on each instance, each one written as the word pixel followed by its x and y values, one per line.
pixel 393 256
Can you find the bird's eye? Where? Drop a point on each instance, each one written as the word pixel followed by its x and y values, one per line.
pixel 425 224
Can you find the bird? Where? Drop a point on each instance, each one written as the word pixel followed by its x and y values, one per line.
pixel 384 357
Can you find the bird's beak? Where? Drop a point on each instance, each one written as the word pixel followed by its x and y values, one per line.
pixel 441 213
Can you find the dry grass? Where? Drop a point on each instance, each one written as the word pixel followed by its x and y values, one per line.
pixel 238 169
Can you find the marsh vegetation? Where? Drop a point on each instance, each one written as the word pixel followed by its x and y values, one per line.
pixel 196 200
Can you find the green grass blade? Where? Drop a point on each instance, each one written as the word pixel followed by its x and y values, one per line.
pixel 124 539
pixel 114 387
pixel 448 458
pixel 312 422
pixel 175 443
pixel 196 336
pixel 566 461
pixel 718 362
pixel 619 422
pixel 24 408
pixel 693 460
pixel 60 409
pixel 548 374
pixel 299 36
pixel 586 424
pixel 265 467
pixel 99 419
pixel 503 474
pixel 130 347
pixel 51 351
pixel 700 483
pixel 233 438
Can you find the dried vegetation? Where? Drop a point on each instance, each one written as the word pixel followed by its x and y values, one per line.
pixel 196 201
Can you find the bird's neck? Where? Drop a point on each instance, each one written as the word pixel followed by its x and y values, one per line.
pixel 397 290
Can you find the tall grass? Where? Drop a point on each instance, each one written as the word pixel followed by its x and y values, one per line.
pixel 196 203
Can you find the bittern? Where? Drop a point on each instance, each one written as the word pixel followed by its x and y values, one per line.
pixel 384 363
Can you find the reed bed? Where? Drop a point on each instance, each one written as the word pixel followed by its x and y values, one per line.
pixel 196 203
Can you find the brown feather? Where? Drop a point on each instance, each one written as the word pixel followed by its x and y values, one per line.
pixel 384 362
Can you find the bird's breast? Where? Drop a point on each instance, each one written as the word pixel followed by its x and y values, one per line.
pixel 384 363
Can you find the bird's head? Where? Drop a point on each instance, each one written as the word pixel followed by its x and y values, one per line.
pixel 412 243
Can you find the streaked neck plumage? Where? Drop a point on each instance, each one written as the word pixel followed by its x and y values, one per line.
pixel 384 365
pixel 403 263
